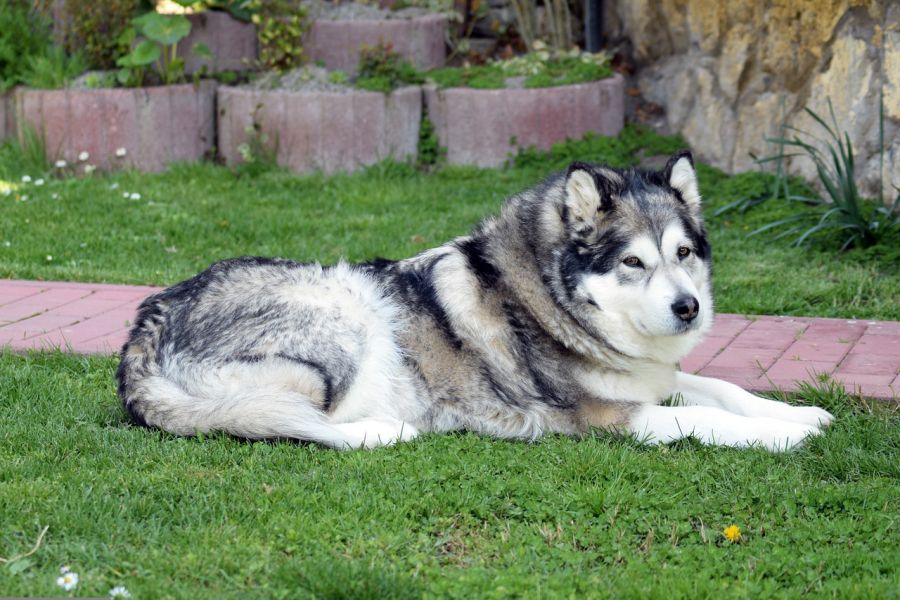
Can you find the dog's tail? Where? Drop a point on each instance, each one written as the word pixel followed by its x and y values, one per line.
pixel 153 400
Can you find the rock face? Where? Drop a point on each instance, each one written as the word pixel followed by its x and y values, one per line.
pixel 729 74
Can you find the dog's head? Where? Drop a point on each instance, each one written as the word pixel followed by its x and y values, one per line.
pixel 636 261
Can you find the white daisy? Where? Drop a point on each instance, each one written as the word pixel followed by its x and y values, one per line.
pixel 68 581
pixel 120 591
pixel 49 259
pixel 135 196
pixel 83 156
pixel 38 182
pixel 55 196
pixel 61 164
pixel 26 178
pixel 125 194
pixel 7 243
pixel 88 169
pixel 121 152
pixel 114 185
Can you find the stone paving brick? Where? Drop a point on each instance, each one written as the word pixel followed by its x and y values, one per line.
pixel 10 295
pixel 817 351
pixel 799 369
pixel 745 357
pixel 29 328
pixel 883 327
pixel 881 344
pixel 869 364
pixel 36 304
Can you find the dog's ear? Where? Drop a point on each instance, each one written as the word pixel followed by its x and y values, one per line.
pixel 680 174
pixel 590 190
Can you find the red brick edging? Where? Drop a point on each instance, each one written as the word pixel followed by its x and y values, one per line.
pixel 331 131
pixel 759 353
pixel 145 128
pixel 420 40
pixel 484 127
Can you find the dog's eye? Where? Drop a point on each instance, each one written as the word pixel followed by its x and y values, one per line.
pixel 632 261
pixel 684 252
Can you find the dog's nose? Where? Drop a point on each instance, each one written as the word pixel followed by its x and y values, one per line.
pixel 686 308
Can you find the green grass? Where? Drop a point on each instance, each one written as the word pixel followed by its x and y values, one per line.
pixel 447 515
pixel 560 71
pixel 196 214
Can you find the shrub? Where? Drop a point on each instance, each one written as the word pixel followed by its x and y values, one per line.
pixel 95 28
pixel 279 29
pixel 383 70
pixel 23 34
pixel 843 212
pixel 53 69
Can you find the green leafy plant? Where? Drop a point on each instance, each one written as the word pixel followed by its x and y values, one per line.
pixel 338 77
pixel 843 211
pixel 430 151
pixel 279 30
pixel 158 48
pixel 94 28
pixel 32 150
pixel 258 152
pixel 23 34
pixel 541 68
pixel 54 69
pixel 381 69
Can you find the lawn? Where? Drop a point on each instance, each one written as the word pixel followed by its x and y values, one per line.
pixel 453 515
pixel 86 230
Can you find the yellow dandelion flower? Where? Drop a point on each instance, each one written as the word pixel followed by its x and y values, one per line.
pixel 732 532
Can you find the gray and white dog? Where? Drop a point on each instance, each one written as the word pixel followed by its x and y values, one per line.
pixel 568 311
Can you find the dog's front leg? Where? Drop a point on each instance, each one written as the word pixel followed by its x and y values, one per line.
pixel 710 425
pixel 706 391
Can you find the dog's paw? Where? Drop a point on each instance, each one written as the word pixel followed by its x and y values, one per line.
pixel 780 436
pixel 810 415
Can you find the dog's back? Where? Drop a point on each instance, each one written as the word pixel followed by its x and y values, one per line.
pixel 262 348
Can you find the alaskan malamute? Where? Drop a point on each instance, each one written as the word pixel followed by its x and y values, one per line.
pixel 568 311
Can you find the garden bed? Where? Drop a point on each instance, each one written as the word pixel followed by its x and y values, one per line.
pixel 328 127
pixel 484 126
pixel 335 40
pixel 143 128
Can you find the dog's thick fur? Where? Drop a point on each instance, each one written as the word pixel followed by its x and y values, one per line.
pixel 569 310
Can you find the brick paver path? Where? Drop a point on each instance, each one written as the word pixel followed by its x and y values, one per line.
pixel 758 353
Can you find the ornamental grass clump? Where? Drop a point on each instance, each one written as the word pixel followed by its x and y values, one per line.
pixel 842 212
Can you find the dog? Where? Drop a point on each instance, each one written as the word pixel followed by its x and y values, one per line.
pixel 566 312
